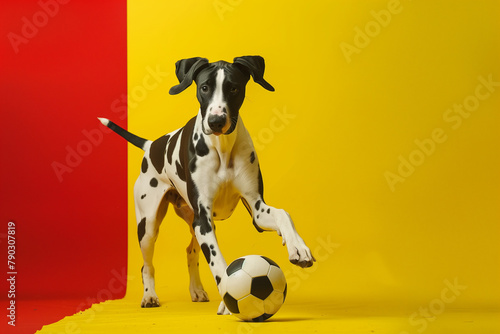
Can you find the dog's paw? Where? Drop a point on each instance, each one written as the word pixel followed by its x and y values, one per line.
pixel 223 309
pixel 199 295
pixel 300 254
pixel 150 300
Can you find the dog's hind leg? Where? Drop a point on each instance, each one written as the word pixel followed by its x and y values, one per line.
pixel 150 208
pixel 198 294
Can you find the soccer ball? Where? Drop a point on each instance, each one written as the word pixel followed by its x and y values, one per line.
pixel 253 288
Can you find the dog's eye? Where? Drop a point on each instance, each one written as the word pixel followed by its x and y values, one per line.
pixel 234 91
pixel 204 89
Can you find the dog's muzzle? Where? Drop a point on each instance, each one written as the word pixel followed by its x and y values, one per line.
pixel 217 123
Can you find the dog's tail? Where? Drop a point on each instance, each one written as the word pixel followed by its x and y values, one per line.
pixel 131 138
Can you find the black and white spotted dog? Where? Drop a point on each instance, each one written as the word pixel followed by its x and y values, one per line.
pixel 204 169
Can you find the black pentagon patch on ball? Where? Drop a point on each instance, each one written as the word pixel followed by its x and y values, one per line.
pixel 261 287
pixel 271 262
pixel 263 317
pixel 231 303
pixel 234 266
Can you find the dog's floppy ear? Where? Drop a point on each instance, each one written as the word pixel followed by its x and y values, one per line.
pixel 186 71
pixel 254 65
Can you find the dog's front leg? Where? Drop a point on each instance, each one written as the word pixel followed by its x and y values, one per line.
pixel 268 218
pixel 205 235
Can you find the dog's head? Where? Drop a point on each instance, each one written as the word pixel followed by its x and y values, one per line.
pixel 220 88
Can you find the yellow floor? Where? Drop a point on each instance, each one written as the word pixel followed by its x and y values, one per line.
pixel 124 316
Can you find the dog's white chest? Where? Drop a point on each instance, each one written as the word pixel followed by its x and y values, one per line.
pixel 225 201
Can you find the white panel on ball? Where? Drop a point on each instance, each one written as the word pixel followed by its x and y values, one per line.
pixel 239 284
pixel 277 278
pixel 255 266
pixel 273 303
pixel 250 307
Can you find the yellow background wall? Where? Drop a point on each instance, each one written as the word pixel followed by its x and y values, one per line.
pixel 349 107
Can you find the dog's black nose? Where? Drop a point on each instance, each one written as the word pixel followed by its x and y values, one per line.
pixel 216 122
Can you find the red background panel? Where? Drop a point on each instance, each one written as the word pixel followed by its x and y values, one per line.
pixel 63 179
